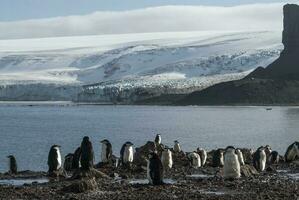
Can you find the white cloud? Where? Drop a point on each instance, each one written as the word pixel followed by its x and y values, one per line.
pixel 156 19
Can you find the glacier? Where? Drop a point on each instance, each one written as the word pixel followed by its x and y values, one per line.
pixel 125 68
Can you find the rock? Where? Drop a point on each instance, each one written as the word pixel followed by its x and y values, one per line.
pixel 248 171
pixel 81 186
pixel 141 153
pixel 277 84
pixel 291 27
pixel 57 173
pixel 92 173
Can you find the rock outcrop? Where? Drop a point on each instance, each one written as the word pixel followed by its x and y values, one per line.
pixel 286 66
pixel 278 84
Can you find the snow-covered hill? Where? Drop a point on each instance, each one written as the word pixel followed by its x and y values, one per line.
pixel 116 66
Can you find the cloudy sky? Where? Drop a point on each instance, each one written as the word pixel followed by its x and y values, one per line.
pixel 51 18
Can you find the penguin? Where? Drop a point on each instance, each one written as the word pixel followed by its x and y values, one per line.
pixel 166 159
pixel 194 159
pixel 106 153
pixel 87 154
pixel 127 153
pixel 76 159
pixel 292 152
pixel 154 170
pixel 231 169
pixel 68 162
pixel 260 159
pixel 13 168
pixel 203 156
pixel 273 158
pixel 177 147
pixel 158 140
pixel 54 158
pixel 268 150
pixel 240 156
pixel 218 158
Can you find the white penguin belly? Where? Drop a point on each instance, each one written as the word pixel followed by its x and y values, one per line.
pixel 167 160
pixel 231 166
pixel 59 159
pixel 204 160
pixel 128 155
pixel 263 160
pixel 177 148
pixel 241 158
pixel 103 153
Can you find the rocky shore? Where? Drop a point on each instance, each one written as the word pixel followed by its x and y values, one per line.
pixel 280 181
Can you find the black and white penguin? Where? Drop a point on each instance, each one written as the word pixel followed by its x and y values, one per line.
pixel 194 159
pixel 203 156
pixel 273 158
pixel 268 150
pixel 218 158
pixel 13 168
pixel 158 139
pixel 260 159
pixel 177 147
pixel 231 169
pixel 292 152
pixel 240 156
pixel 54 158
pixel 127 153
pixel 68 162
pixel 106 153
pixel 76 159
pixel 154 170
pixel 166 159
pixel 87 154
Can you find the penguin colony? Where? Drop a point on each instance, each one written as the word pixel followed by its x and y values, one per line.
pixel 231 159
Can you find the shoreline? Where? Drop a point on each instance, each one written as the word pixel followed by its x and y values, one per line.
pixel 132 184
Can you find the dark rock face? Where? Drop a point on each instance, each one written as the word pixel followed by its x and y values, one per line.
pixel 290 37
pixel 287 65
pixel 278 84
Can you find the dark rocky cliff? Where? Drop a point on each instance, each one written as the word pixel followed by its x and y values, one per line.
pixel 278 84
pixel 287 65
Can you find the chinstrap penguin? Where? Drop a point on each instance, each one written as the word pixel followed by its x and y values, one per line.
pixel 54 158
pixel 240 156
pixel 203 155
pixel 76 159
pixel 232 169
pixel 158 139
pixel 166 159
pixel 194 159
pixel 177 147
pixel 127 153
pixel 154 169
pixel 87 154
pixel 292 152
pixel 106 153
pixel 13 168
pixel 218 158
pixel 260 159
pixel 273 158
pixel 68 162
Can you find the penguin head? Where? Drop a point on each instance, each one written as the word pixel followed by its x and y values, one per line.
pixel 176 142
pixel 268 148
pixel 10 156
pixel 105 141
pixel 230 149
pixel 85 139
pixel 55 146
pixel 129 144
